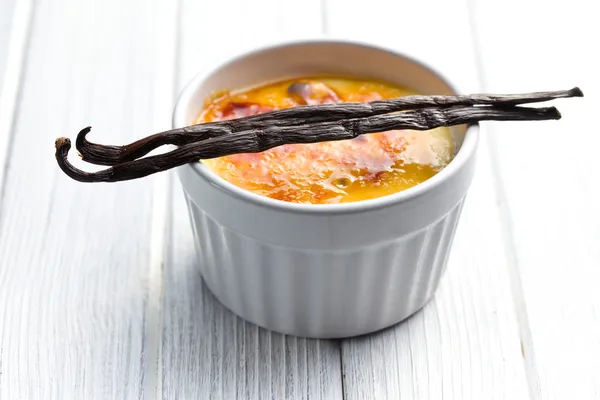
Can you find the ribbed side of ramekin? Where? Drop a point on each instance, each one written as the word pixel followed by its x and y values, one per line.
pixel 321 293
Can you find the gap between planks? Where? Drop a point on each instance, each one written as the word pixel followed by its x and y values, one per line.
pixel 18 40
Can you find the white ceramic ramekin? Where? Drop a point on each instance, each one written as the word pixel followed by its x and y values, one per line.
pixel 323 271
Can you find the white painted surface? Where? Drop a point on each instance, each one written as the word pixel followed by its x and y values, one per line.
pixel 91 308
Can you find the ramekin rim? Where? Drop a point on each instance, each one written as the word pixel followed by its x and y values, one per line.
pixel 464 153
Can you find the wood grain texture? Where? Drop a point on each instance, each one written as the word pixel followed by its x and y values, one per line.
pixel 465 343
pixel 74 278
pixel 550 187
pixel 207 352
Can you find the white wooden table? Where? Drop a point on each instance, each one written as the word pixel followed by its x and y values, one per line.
pixel 99 294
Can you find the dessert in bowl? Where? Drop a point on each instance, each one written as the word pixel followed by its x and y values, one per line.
pixel 331 239
pixel 363 168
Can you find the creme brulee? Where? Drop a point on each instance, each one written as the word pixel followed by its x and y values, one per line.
pixel 367 167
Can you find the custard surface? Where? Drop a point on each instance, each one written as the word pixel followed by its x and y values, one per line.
pixel 367 167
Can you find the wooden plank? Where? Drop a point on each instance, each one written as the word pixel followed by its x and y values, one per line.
pixel 550 210
pixel 207 352
pixel 75 284
pixel 464 344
